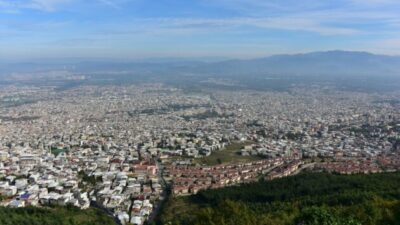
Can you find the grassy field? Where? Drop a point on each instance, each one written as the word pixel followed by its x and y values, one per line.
pixel 57 151
pixel 228 155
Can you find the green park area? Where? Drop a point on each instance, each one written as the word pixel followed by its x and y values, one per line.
pixel 57 151
pixel 230 154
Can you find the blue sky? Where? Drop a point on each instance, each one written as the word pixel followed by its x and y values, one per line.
pixel 195 28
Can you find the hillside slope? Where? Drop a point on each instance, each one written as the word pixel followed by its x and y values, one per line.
pixel 307 199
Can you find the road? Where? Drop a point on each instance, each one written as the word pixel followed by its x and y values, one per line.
pixel 164 193
pixel 106 211
pixel 305 166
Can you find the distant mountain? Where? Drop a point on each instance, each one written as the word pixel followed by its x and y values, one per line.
pixel 316 63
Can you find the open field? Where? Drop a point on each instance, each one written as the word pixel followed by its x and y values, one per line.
pixel 228 155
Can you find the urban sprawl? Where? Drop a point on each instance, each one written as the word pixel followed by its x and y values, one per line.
pixel 123 149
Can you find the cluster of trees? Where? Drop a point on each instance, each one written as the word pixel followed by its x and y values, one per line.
pixel 88 181
pixel 53 216
pixel 305 199
pixel 294 136
pixel 56 151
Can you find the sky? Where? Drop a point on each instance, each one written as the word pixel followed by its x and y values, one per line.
pixel 121 29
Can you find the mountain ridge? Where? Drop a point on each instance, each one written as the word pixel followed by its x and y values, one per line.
pixel 331 62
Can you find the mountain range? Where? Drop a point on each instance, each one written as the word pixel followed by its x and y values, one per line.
pixel 315 63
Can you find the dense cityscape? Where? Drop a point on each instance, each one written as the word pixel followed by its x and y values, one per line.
pixel 125 149
pixel 200 112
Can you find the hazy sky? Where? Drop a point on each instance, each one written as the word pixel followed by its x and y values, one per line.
pixel 194 28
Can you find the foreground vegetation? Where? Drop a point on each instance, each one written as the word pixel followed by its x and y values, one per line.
pixel 53 216
pixel 306 199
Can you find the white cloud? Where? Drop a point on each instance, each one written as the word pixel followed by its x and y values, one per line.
pixel 52 5
pixel 110 3
pixel 285 23
pixel 325 17
pixel 48 5
pixel 375 2
pixel 42 5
